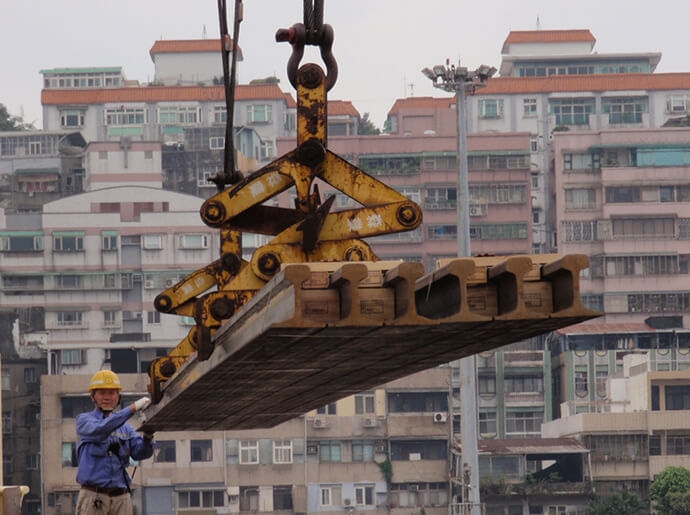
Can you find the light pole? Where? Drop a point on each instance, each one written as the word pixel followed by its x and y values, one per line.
pixel 461 81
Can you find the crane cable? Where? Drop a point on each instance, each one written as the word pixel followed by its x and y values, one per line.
pixel 229 174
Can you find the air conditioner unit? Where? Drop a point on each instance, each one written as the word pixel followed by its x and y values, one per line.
pixel 477 211
pixel 319 423
pixel 370 422
pixel 149 284
pixel 440 417
pixel 347 502
pixel 169 283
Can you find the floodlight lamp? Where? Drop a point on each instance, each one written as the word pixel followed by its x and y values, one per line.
pixel 440 70
pixel 429 74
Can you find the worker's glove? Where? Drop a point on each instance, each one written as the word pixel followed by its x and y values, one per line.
pixel 141 404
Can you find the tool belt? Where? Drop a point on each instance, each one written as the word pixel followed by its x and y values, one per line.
pixel 111 492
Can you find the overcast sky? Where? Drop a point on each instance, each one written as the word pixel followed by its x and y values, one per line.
pixel 380 45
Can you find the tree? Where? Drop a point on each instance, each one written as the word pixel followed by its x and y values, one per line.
pixel 367 127
pixel 671 491
pixel 12 123
pixel 618 503
pixel 268 80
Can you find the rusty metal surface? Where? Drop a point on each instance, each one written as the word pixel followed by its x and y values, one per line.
pixel 305 340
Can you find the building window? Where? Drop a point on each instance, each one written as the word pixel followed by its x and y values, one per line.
pixel 524 423
pixel 524 384
pixel 249 452
pixel 331 496
pixel 364 495
pixel 68 282
pixel 125 116
pixel 32 461
pixel 201 499
pixel 677 104
pixel 365 403
pixel 152 241
pixel 69 454
pixel 220 114
pixel 572 111
pixel 282 451
pixel 153 317
pixel 71 118
pixel 29 375
pixel 282 497
pixel 69 318
pixel 580 198
pixel 624 109
pixel 68 242
pixel 71 357
pixel 6 379
pixel 111 319
pixel 178 115
pixel 201 450
pixel 165 451
pixel 442 232
pixel 581 382
pixel 417 402
pixel 109 242
pixel 216 143
pixel 491 108
pixel 34 148
pixel 259 113
pixel 7 422
pixel 267 150
pixel 10 243
pixel 329 452
pixel 535 216
pixel 643 228
pixel 192 241
pixel 487 385
pixel 362 451
pixel 677 397
pixel 328 409
pixel 529 107
pixel 7 465
pixel 487 423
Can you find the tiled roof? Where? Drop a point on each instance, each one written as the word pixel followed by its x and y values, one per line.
pixel 158 94
pixel 291 102
pixel 421 103
pixel 342 108
pixel 547 36
pixel 185 46
pixel 577 83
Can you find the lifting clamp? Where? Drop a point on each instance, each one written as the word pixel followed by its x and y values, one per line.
pixel 310 232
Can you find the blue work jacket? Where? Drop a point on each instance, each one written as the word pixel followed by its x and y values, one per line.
pixel 105 446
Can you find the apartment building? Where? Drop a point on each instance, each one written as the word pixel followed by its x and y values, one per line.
pixel 37 167
pixel 622 200
pixel 554 81
pixel 642 429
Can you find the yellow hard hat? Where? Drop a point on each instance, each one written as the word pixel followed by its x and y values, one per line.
pixel 105 380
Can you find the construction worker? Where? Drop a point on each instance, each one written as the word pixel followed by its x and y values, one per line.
pixel 106 444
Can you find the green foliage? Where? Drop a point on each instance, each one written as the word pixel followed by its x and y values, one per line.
pixel 12 123
pixel 387 471
pixel 387 126
pixel 618 503
pixel 671 491
pixel 267 80
pixel 367 127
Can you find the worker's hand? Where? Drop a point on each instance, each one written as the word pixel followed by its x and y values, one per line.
pixel 140 404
